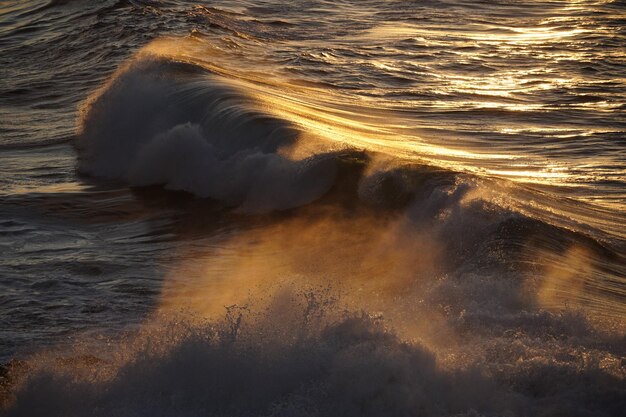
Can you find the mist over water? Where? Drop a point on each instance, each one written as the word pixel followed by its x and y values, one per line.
pixel 357 208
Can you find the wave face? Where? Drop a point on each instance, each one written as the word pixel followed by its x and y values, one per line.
pixel 165 123
pixel 359 208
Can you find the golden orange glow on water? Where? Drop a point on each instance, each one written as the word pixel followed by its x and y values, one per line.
pixel 330 122
pixel 274 208
pixel 320 249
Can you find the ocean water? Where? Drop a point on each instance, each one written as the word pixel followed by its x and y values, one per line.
pixel 312 208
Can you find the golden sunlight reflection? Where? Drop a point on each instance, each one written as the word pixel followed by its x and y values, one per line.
pixel 524 36
pixel 65 187
pixel 563 280
pixel 388 265
pixel 331 120
pixel 572 280
pixel 380 265
pixel 541 176
pixel 555 132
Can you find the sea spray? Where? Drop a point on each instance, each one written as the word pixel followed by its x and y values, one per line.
pixel 305 355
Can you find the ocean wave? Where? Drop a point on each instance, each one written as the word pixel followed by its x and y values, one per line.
pixel 459 193
pixel 173 124
pixel 306 356
pixel 178 125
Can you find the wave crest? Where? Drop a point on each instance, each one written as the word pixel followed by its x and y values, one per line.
pixel 174 124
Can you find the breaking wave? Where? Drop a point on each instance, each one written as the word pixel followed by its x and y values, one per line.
pixel 460 221
pixel 172 124
pixel 160 121
pixel 305 356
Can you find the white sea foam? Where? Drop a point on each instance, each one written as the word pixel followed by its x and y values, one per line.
pixel 159 122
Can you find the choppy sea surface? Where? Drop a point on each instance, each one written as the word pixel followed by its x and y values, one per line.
pixel 312 208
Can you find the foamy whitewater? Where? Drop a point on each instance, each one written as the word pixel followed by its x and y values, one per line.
pixel 312 208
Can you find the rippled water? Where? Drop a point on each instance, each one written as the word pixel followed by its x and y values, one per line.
pixel 313 208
